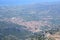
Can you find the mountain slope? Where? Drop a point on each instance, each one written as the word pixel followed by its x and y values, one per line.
pixel 19 31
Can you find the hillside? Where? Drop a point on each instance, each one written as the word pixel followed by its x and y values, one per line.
pixel 29 22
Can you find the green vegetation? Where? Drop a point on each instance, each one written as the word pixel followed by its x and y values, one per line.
pixel 51 38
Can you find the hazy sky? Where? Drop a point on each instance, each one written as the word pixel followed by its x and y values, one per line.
pixel 23 2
